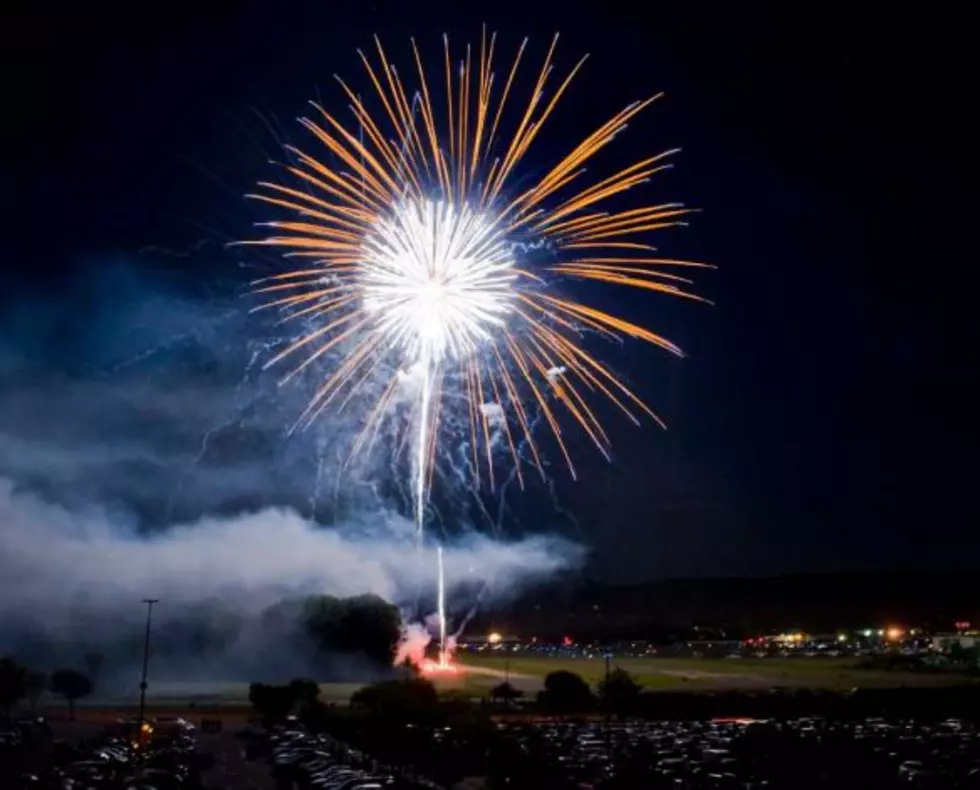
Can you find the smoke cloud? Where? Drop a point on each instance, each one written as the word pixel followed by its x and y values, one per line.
pixel 57 566
pixel 144 452
pixel 52 558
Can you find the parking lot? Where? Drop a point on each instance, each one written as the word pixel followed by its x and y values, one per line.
pixel 795 754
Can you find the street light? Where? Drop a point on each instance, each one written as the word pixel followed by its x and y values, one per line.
pixel 607 704
pixel 146 659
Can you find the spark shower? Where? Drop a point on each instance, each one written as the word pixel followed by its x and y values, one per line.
pixel 422 264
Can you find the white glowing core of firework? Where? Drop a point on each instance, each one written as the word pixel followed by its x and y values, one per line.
pixel 439 277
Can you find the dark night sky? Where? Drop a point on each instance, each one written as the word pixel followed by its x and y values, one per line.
pixel 824 417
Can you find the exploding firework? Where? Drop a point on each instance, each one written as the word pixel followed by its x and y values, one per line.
pixel 424 259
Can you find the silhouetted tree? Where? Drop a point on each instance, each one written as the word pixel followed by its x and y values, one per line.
pixel 565 692
pixel 620 693
pixel 365 625
pixel 13 684
pixel 402 700
pixel 409 668
pixel 505 692
pixel 273 703
pixel 37 684
pixel 72 685
pixel 304 690
pixel 93 666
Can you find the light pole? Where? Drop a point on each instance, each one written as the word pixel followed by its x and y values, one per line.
pixel 146 659
pixel 607 704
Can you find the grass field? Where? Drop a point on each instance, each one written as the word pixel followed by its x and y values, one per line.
pixel 709 673
pixel 481 672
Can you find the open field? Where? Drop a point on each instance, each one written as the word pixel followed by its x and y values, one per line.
pixel 481 672
pixel 712 673
pixel 204 695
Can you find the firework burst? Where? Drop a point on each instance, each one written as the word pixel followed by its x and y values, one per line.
pixel 411 239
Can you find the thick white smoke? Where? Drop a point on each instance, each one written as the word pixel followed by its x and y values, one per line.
pixel 143 453
pixel 54 561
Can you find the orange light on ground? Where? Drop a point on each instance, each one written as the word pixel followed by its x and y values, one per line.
pixel 494 638
pixel 443 666
pixel 894 633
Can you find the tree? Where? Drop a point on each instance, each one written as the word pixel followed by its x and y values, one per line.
pixel 620 693
pixel 273 703
pixel 13 684
pixel 409 669
pixel 565 692
pixel 37 684
pixel 93 666
pixel 305 696
pixel 505 692
pixel 366 625
pixel 71 685
pixel 365 628
pixel 401 700
pixel 304 690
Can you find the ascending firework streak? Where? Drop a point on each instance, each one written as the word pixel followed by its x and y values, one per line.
pixel 421 255
pixel 441 610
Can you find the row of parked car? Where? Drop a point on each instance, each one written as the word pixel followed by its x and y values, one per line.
pixel 300 759
pixel 743 754
pixel 153 755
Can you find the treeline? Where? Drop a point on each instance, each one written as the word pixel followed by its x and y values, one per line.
pixel 331 638
pixel 18 683
pixel 364 629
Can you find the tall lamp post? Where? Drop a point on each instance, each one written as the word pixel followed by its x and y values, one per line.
pixel 146 658
pixel 607 704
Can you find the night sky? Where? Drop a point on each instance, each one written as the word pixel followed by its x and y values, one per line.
pixel 823 419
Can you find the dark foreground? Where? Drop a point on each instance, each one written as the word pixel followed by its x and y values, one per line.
pixel 796 754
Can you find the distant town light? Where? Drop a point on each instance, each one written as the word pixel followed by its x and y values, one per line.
pixel 866 632
pixel 494 638
pixel 841 637
pixel 895 633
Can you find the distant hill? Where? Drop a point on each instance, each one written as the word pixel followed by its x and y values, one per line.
pixel 739 607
